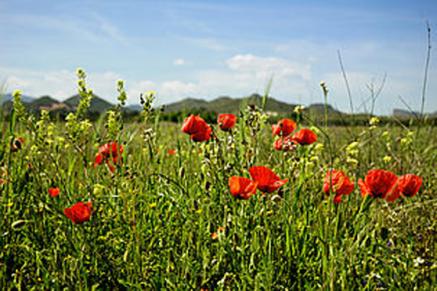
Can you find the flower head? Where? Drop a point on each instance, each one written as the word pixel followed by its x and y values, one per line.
pixel 284 127
pixel 305 136
pixel 79 212
pixel 190 124
pixel 171 152
pixel 226 121
pixel 54 191
pixel 337 182
pixel 299 109
pixel 203 135
pixel 110 153
pixel 374 120
pixel 409 184
pixel 380 184
pixel 197 128
pixel 242 187
pixel 284 144
pixel 267 180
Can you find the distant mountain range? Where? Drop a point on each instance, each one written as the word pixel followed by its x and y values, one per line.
pixel 233 105
pixel 98 105
pixel 220 104
pixel 227 104
pixel 406 113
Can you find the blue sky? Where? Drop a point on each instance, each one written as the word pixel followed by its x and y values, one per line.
pixel 205 49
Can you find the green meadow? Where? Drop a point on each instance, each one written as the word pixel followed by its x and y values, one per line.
pixel 163 217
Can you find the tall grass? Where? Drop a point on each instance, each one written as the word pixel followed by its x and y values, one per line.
pixel 153 218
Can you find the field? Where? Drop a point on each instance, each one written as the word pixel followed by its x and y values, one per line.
pixel 161 214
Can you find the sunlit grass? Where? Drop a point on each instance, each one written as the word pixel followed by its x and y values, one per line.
pixel 169 221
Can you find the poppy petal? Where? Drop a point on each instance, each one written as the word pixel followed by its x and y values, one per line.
pixel 267 180
pixel 241 187
pixel 409 184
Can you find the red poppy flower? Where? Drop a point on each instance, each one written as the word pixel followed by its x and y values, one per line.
pixel 409 184
pixel 284 127
pixel 380 184
pixel 242 187
pixel 54 191
pixel 202 135
pixel 267 180
pixel 340 184
pixel 79 212
pixel 197 128
pixel 110 153
pixel 393 194
pixel 189 125
pixel 284 144
pixel 226 121
pixel 305 136
pixel 171 152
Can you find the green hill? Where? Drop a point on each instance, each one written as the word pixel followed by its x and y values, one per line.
pixel 186 105
pixel 44 101
pixel 98 105
pixel 319 108
pixel 47 103
pixel 37 104
pixel 228 104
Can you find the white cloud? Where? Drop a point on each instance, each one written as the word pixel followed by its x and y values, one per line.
pixel 245 74
pixel 177 89
pixel 240 75
pixel 59 84
pixel 104 84
pixel 37 83
pixel 13 82
pixel 136 88
pixel 179 62
pixel 62 84
pixel 263 67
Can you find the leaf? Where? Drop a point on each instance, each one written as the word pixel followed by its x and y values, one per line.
pixel 17 224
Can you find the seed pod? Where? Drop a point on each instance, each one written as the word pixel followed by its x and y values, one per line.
pixel 17 144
